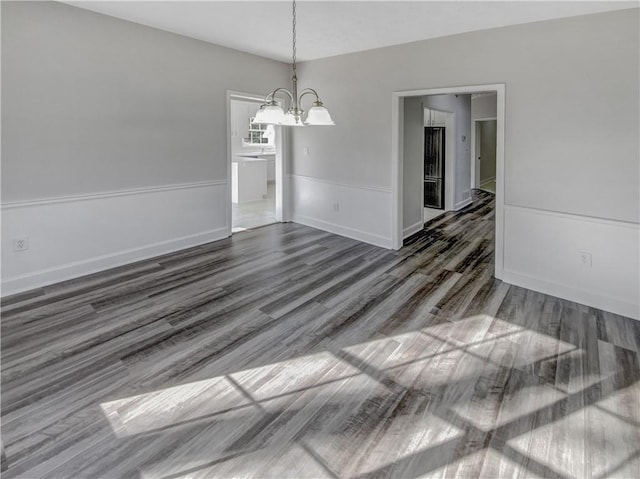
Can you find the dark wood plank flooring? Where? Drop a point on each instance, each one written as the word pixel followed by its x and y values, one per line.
pixel 286 351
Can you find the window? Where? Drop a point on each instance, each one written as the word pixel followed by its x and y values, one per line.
pixel 257 134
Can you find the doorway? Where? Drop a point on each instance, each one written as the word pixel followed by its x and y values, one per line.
pixel 485 154
pixel 398 173
pixel 255 166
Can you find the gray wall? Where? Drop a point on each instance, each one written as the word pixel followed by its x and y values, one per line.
pixel 484 106
pixel 413 157
pixel 461 106
pixel 91 103
pixel 564 78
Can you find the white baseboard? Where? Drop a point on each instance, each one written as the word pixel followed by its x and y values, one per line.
pixel 487 180
pixel 355 211
pixel 413 229
pixel 94 265
pixel 461 204
pixel 74 236
pixel 343 230
pixel 576 295
pixel 543 252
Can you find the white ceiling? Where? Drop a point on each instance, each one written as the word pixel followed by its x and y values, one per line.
pixel 328 28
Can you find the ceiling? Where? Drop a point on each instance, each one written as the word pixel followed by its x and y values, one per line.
pixel 329 28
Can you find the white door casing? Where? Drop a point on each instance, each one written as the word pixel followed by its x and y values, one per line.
pixel 397 155
pixel 282 192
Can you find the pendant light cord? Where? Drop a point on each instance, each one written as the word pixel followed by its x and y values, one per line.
pixel 272 112
pixel 294 37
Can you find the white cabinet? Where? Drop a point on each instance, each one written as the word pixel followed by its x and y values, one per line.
pixel 271 169
pixel 248 179
pixel 434 117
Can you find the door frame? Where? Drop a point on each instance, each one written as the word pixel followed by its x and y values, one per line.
pixel 397 119
pixel 281 140
pixel 475 180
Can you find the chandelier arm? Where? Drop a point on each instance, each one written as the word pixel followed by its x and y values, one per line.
pixel 276 91
pixel 309 91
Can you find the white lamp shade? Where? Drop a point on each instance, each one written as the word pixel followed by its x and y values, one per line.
pixel 291 120
pixel 319 115
pixel 269 115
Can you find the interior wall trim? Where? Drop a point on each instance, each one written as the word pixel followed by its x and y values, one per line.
pixel 76 269
pixel 461 204
pixel 111 194
pixel 73 237
pixel 487 180
pixel 379 189
pixel 342 230
pixel 397 186
pixel 573 216
pixel 545 249
pixel 413 229
pixel 359 213
pixel 588 298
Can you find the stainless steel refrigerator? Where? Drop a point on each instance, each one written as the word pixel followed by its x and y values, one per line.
pixel 434 167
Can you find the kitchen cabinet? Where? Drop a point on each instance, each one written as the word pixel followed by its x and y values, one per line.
pixel 248 179
pixel 434 117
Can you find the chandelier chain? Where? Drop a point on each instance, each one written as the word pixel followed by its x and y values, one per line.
pixel 294 36
pixel 272 112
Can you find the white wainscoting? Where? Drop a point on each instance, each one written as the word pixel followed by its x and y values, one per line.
pixel 74 236
pixel 542 253
pixel 363 213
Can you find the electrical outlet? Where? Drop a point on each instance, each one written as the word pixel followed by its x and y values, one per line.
pixel 585 259
pixel 336 206
pixel 306 151
pixel 20 244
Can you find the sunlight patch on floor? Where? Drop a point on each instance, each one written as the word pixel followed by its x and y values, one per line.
pixel 586 457
pixel 175 405
pixel 232 421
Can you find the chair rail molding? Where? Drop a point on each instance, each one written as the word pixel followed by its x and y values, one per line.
pixel 356 211
pixel 76 235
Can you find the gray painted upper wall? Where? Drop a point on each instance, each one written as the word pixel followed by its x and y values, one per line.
pixel 572 109
pixel 484 106
pixel 91 103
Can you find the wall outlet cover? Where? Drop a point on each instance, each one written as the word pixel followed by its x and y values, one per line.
pixel 20 244
pixel 585 259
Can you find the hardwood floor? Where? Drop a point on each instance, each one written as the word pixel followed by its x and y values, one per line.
pixel 288 352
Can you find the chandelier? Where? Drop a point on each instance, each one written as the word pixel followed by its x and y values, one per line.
pixel 271 113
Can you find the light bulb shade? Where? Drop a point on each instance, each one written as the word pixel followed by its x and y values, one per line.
pixel 291 120
pixel 269 114
pixel 319 115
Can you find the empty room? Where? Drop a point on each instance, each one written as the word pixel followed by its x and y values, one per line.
pixel 342 239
